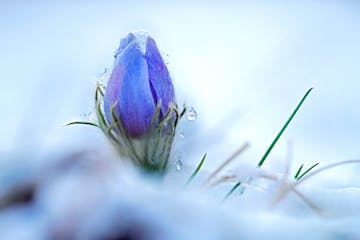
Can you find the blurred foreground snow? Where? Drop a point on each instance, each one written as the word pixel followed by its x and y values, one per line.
pixel 90 194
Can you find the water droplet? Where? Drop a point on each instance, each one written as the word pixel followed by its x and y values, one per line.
pixel 88 116
pixel 181 135
pixel 191 114
pixel 116 53
pixel 92 116
pixel 83 115
pixel 166 59
pixel 178 164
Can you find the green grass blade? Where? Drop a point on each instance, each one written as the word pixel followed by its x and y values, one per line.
pixel 83 123
pixel 299 171
pixel 193 175
pixel 307 171
pixel 283 128
pixel 232 190
pixel 261 162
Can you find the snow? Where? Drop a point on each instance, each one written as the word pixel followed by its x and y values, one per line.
pixel 243 66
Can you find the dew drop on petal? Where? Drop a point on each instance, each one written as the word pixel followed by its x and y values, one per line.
pixel 181 135
pixel 116 53
pixel 191 114
pixel 167 59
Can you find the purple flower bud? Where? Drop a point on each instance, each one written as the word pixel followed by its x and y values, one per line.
pixel 139 80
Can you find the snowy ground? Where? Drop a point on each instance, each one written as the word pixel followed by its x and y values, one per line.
pixel 91 195
pixel 243 66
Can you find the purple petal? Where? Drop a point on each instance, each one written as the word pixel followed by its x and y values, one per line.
pixel 124 42
pixel 129 85
pixel 159 77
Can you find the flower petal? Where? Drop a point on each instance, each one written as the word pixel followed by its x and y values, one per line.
pixel 129 85
pixel 124 42
pixel 159 77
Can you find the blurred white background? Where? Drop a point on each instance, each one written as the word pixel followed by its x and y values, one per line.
pixel 243 66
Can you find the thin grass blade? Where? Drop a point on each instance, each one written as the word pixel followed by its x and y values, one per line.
pixel 283 128
pixel 232 190
pixel 307 171
pixel 299 171
pixel 262 160
pixel 83 123
pixel 196 171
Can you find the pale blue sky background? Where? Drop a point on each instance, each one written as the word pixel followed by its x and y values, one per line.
pixel 246 62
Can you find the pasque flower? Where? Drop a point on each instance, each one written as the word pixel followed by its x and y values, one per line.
pixel 138 112
pixel 139 82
